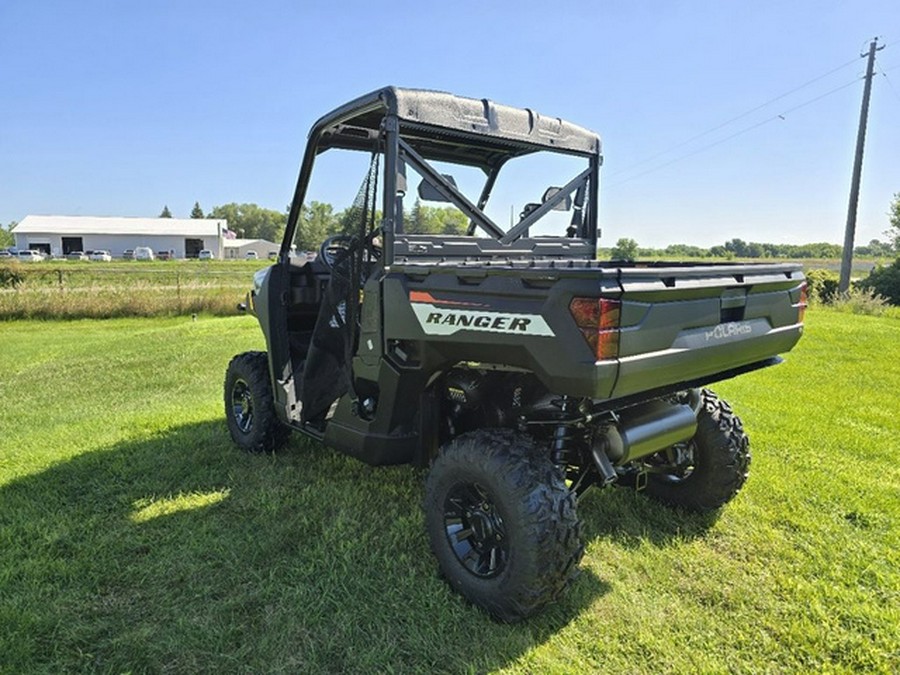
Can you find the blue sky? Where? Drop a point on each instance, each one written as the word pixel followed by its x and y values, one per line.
pixel 117 108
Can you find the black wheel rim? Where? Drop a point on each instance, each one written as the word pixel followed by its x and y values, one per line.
pixel 475 530
pixel 242 405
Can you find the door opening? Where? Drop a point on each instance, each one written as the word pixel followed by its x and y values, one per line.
pixel 192 247
pixel 72 244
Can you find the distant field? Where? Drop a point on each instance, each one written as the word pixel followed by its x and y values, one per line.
pixel 135 537
pixel 860 267
pixel 74 290
pixel 118 289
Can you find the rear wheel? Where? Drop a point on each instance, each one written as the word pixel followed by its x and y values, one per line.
pixel 707 471
pixel 249 406
pixel 502 523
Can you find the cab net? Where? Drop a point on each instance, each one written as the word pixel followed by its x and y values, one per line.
pixel 327 374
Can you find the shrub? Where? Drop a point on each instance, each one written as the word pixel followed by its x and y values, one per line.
pixel 884 280
pixel 860 301
pixel 823 285
pixel 10 277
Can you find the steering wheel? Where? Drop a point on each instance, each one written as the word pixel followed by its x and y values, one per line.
pixel 332 247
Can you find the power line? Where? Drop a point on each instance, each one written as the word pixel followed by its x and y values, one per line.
pixel 738 133
pixel 733 119
pixel 890 84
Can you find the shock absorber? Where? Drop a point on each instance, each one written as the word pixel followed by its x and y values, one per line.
pixel 568 435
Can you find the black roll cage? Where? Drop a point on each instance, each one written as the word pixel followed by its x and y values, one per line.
pixel 415 126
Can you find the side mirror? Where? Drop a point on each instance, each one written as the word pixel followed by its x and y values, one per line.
pixel 429 193
pixel 564 205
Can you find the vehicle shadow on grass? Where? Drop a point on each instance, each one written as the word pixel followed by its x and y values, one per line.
pixel 630 519
pixel 180 553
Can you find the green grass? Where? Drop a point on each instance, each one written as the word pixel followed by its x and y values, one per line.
pixel 135 537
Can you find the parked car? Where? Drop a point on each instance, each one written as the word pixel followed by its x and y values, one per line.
pixel 30 256
pixel 251 255
pixel 273 255
pixel 143 253
pixel 101 256
pixel 5 253
pixel 164 255
pixel 128 254
pixel 205 254
pixel 76 255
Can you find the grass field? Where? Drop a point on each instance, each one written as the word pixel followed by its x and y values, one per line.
pixel 135 537
pixel 78 290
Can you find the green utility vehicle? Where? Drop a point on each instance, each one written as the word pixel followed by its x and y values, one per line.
pixel 503 357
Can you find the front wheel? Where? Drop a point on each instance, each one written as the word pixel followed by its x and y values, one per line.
pixel 249 404
pixel 502 523
pixel 707 471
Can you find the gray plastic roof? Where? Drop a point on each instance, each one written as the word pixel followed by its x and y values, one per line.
pixel 458 116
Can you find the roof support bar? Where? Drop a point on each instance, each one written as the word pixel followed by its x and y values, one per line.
pixel 391 154
pixel 486 193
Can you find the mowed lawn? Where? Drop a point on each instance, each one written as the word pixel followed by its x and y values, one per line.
pixel 135 537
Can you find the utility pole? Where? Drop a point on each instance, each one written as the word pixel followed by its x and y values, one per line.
pixel 850 232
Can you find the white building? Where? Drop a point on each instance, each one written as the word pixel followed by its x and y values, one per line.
pixel 238 248
pixel 59 235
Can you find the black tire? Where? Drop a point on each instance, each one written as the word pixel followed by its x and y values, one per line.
pixel 249 406
pixel 709 470
pixel 522 543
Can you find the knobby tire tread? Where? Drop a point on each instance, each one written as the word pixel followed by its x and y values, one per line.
pixel 545 509
pixel 722 453
pixel 267 434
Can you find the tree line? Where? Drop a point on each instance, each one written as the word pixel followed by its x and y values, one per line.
pixel 629 249
pixel 319 220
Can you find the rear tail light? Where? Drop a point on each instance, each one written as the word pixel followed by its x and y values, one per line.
pixel 804 301
pixel 598 320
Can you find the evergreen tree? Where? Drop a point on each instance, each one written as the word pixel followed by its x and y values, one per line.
pixel 165 212
pixel 197 212
pixel 415 222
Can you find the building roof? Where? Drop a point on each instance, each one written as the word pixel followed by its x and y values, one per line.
pixel 237 243
pixel 189 227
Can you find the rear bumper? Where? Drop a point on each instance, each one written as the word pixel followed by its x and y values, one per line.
pixel 689 361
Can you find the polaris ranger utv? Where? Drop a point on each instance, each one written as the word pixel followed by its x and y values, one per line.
pixel 505 357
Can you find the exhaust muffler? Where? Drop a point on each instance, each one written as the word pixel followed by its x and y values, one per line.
pixel 643 430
